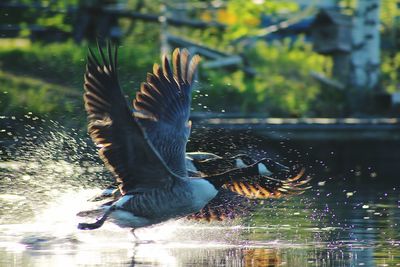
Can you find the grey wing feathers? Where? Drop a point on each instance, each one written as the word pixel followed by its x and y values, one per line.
pixel 238 195
pixel 163 107
pixel 124 146
pixel 166 95
pixel 248 183
pixel 225 205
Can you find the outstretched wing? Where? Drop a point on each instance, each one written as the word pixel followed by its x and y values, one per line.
pixel 261 187
pixel 241 190
pixel 226 205
pixel 163 107
pixel 248 182
pixel 123 144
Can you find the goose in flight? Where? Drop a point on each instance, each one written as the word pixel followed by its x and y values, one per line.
pixel 144 147
pixel 201 164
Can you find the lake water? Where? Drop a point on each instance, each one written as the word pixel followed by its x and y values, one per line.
pixel 348 218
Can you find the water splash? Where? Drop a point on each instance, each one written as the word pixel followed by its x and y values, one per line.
pixel 48 172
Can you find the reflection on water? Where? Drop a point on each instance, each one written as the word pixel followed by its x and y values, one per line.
pixel 44 183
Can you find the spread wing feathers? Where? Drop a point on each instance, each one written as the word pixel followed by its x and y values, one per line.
pixel 166 95
pixel 124 146
pixel 261 187
pixel 163 107
pixel 225 205
pixel 248 182
pixel 238 197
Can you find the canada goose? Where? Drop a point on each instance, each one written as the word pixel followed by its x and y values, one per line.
pixel 200 164
pixel 206 164
pixel 145 148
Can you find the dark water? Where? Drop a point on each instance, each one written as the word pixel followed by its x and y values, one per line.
pixel 351 216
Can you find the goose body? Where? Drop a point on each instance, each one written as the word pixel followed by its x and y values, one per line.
pixel 201 164
pixel 158 205
pixel 144 147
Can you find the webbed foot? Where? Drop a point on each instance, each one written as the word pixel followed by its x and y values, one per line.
pixel 98 223
pixel 90 226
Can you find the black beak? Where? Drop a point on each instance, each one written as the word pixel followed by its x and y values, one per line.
pixel 270 166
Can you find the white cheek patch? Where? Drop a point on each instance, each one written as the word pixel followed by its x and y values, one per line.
pixel 263 170
pixel 240 163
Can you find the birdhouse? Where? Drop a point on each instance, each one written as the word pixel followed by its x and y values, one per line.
pixel 331 32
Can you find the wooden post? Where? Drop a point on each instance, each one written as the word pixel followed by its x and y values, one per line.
pixel 365 58
pixel 341 66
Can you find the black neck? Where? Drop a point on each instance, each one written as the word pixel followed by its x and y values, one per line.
pixel 239 174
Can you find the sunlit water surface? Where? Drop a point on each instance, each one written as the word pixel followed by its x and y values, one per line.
pixel 47 178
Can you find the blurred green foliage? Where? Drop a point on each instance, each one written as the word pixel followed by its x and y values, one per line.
pixel 390 33
pixel 246 15
pixel 61 63
pixel 282 86
pixel 55 72
pixel 24 94
pixel 44 13
pixel 391 72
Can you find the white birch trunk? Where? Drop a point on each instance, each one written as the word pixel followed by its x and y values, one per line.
pixel 365 58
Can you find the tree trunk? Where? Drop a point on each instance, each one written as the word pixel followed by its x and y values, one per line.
pixel 365 58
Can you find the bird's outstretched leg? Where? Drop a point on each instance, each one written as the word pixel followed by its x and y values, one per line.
pixel 133 233
pixel 98 223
